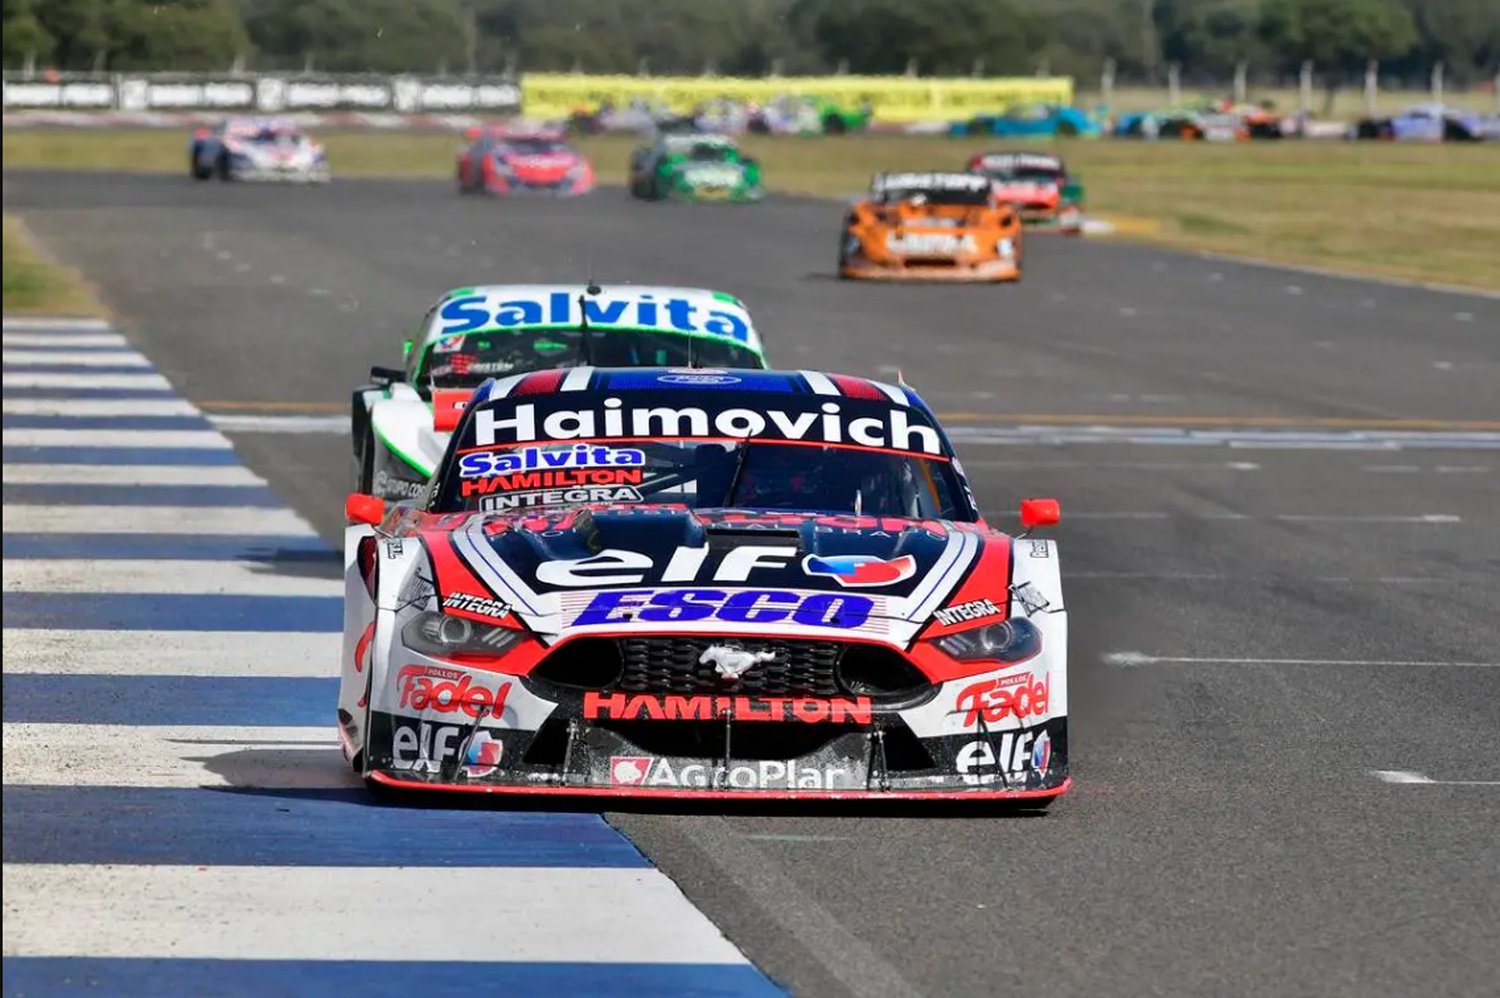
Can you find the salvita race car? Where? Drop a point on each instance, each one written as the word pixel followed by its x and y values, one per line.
pixel 675 582
pixel 694 167
pixel 522 161
pixel 931 227
pixel 267 149
pixel 473 334
pixel 1038 186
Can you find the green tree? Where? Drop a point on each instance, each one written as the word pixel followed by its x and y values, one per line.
pixel 1338 36
pixel 23 35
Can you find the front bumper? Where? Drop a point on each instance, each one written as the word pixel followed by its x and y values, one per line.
pixel 251 173
pixel 956 272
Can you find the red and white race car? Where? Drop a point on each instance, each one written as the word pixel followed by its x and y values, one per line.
pixel 691 582
pixel 515 160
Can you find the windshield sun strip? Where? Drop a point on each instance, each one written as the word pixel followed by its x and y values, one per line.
pixel 762 441
pixel 573 327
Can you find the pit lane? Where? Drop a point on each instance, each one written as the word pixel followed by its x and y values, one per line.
pixel 1258 628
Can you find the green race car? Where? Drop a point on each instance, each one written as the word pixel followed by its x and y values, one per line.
pixel 694 167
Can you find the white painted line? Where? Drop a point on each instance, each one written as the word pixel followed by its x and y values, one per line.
pixel 573 915
pixel 218 520
pixel 280 424
pixel 126 755
pixel 163 577
pixel 48 379
pixel 1130 658
pixel 80 358
pixel 1395 282
pixel 206 439
pixel 1408 776
pixel 172 653
pixel 1423 518
pixel 130 474
pixel 63 340
pixel 101 407
pixel 1246 517
pixel 45 323
pixel 1393 469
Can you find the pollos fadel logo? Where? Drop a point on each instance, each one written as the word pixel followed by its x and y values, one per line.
pixel 444 691
pixel 859 571
pixel 994 700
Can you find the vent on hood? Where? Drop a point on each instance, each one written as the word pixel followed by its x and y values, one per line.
pixel 721 538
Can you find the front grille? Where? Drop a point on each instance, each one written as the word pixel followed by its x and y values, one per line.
pixel 669 664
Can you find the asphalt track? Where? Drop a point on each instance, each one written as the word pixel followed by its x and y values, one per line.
pixel 1262 623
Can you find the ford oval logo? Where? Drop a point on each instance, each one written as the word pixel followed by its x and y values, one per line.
pixel 698 379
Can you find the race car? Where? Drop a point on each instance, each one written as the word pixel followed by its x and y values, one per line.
pixel 675 582
pixel 472 334
pixel 694 166
pixel 266 149
pixel 520 161
pixel 1039 186
pixel 933 227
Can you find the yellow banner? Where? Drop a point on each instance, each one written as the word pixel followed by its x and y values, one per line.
pixel 556 95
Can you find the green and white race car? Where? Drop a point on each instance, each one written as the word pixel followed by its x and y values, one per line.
pixel 508 330
pixel 694 166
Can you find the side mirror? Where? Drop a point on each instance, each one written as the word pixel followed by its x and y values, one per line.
pixel 406 346
pixel 1040 513
pixel 447 407
pixel 361 508
pixel 387 375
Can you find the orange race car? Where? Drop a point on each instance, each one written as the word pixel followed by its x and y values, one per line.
pixel 931 227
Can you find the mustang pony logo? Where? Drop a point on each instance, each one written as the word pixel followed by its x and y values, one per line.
pixel 861 570
pixel 731 662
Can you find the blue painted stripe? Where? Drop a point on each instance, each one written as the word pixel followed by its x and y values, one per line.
pixel 197 456
pixel 157 612
pixel 165 701
pixel 78 369
pixel 89 392
pixel 65 977
pixel 241 826
pixel 142 495
pixel 303 550
pixel 36 421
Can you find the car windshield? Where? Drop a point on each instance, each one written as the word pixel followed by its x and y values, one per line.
pixel 751 474
pixel 275 137
pixel 926 195
pixel 1028 174
pixel 466 360
pixel 708 153
pixel 533 147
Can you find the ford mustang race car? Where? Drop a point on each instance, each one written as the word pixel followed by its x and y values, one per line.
pixel 515 161
pixel 472 334
pixel 931 227
pixel 257 149
pixel 694 167
pixel 676 582
pixel 1039 186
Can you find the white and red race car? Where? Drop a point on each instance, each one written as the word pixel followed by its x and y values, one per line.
pixel 692 582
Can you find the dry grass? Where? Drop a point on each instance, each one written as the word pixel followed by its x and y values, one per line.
pixel 36 286
pixel 1428 213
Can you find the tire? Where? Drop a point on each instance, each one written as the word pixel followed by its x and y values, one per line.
pixel 195 168
pixel 221 168
pixel 834 125
pixel 1067 130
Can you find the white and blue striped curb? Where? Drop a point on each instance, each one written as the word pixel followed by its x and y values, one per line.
pixel 178 818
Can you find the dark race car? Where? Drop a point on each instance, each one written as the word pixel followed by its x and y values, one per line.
pixel 689 582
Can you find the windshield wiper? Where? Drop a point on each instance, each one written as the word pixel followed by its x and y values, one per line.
pixel 739 469
pixel 586 343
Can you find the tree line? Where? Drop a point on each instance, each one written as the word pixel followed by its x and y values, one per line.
pixel 1205 39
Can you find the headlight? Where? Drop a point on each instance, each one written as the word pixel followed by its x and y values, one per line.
pixel 1012 640
pixel 1006 248
pixel 440 634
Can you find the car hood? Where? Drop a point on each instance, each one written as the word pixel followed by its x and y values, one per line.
pixel 614 568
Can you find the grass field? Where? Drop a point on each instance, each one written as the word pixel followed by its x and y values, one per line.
pixel 1429 213
pixel 34 285
pixel 1348 103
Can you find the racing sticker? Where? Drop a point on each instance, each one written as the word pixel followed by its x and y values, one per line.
pixel 995 701
pixel 570 496
pixel 442 690
pixel 1006 759
pixel 702 707
pixel 765 774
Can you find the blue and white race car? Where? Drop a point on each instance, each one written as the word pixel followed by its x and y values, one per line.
pixel 264 149
pixel 497 331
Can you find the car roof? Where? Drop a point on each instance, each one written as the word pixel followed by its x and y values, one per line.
pixel 1020 161
pixel 707 313
pixel 686 140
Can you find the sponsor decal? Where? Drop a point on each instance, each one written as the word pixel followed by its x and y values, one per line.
pixel 731 661
pixel 861 570
pixel 482 605
pixel 880 427
pixel 470 313
pixel 1040 549
pixel 483 757
pixel 568 478
pixel 699 379
pixel 1020 161
pixel 1003 759
pixel 994 700
pixel 931 182
pixel 394 548
pixel 745 606
pixel 388 486
pixel 766 774
pixel 483 464
pixel 559 497
pixel 930 243
pixel 446 691
pixel 1031 597
pixel 702 707
pixel 978 609
pixel 424 747
pixel 614 566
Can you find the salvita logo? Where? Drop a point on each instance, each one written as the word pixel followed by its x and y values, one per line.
pixel 767 774
pixel 482 464
pixel 564 310
pixel 884 428
pixel 861 570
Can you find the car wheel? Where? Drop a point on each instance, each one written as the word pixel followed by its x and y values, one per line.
pixel 195 168
pixel 1067 129
pixel 221 167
